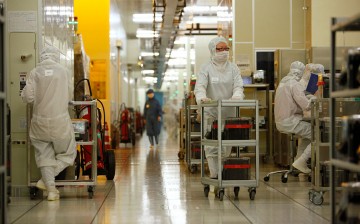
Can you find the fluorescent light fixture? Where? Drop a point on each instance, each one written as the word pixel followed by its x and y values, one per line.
pixel 177 62
pixel 150 80
pixel 204 9
pixel 147 72
pixel 140 33
pixel 146 17
pixel 183 40
pixel 204 20
pixel 149 54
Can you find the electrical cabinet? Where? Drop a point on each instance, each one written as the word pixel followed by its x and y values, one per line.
pixel 22 59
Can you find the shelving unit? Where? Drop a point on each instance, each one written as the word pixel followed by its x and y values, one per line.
pixel 192 138
pixel 260 92
pixel 320 144
pixel 339 25
pixel 4 136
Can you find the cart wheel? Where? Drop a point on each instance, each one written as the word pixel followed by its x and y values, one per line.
pixel 133 138
pixel 284 178
pixel 252 194
pixel 206 190
pixel 221 195
pixel 181 155
pixel 236 191
pixel 193 168
pixel 77 165
pixel 317 198
pixel 309 178
pixel 91 192
pixel 266 178
pixel 34 193
pixel 110 164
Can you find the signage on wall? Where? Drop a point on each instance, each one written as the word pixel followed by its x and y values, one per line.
pixel 243 63
pixel 22 21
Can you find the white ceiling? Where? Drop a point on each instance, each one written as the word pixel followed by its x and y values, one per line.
pixel 129 7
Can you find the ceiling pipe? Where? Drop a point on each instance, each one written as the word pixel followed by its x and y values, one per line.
pixel 167 34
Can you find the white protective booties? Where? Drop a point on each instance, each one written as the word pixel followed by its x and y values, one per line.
pixel 41 185
pixel 301 165
pixel 53 194
pixel 213 166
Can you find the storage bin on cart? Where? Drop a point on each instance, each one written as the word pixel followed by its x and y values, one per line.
pixel 195 150
pixel 235 128
pixel 236 169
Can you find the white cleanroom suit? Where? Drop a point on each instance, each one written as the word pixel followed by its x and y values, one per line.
pixel 290 102
pixel 218 79
pixel 49 89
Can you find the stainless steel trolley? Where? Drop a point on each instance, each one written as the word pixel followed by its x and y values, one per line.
pixel 192 156
pixel 91 183
pixel 219 183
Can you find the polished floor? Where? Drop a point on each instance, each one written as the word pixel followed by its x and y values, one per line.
pixel 153 186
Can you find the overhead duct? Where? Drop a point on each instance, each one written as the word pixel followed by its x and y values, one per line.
pixel 171 18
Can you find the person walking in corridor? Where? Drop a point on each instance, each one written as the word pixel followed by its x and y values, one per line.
pixel 152 115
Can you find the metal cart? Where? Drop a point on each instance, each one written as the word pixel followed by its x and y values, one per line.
pixel 320 143
pixel 91 183
pixel 192 154
pixel 219 183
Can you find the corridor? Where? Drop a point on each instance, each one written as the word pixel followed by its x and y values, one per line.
pixel 153 186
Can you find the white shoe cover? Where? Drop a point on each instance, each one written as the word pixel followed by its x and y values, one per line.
pixel 41 185
pixel 53 195
pixel 301 165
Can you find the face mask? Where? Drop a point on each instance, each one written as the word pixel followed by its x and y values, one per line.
pixel 221 56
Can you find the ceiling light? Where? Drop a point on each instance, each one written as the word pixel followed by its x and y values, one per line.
pixel 147 72
pixel 146 33
pixel 149 54
pixel 177 61
pixel 203 20
pixel 150 80
pixel 204 9
pixel 146 17
pixel 183 40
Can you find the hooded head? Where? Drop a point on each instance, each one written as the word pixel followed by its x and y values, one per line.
pixel 319 68
pixel 50 53
pixel 311 68
pixel 214 42
pixel 297 69
pixel 219 58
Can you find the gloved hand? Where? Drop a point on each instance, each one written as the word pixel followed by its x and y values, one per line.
pixel 236 98
pixel 205 100
pixel 311 97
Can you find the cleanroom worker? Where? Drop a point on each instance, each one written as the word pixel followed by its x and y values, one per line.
pixel 218 79
pixel 49 89
pixel 290 102
pixel 311 68
pixel 152 115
